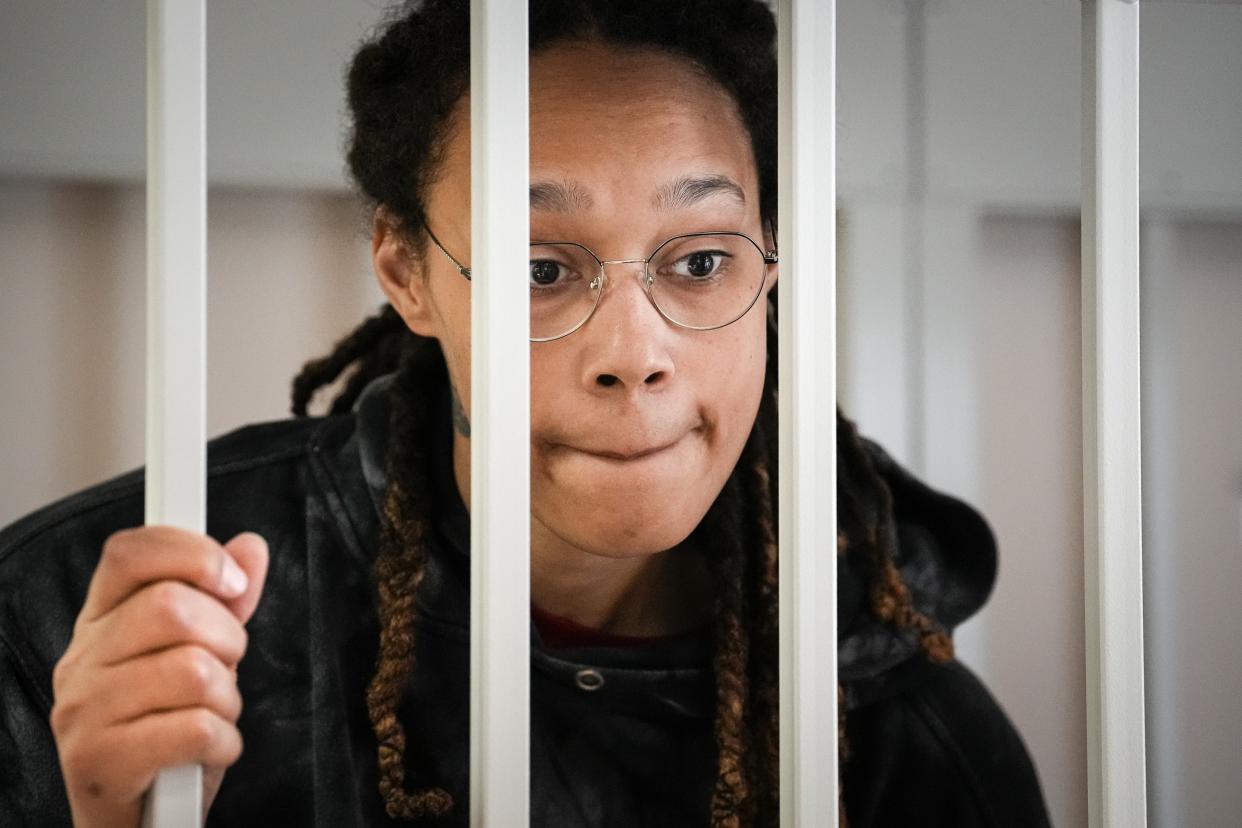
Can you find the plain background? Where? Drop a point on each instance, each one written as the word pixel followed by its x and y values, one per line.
pixel 959 164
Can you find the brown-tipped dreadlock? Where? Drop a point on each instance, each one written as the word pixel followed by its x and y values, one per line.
pixel 758 470
pixel 375 346
pixel 734 799
pixel 399 569
pixel 889 595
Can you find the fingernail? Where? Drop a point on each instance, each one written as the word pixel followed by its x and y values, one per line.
pixel 233 580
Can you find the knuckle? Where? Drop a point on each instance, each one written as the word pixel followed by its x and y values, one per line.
pixel 169 605
pixel 61 673
pixel 59 718
pixel 66 707
pixel 78 757
pixel 119 550
pixel 241 639
pixel 200 729
pixel 72 757
pixel 197 668
pixel 230 640
pixel 118 540
pixel 234 747
pixel 227 749
pixel 206 565
pixel 231 704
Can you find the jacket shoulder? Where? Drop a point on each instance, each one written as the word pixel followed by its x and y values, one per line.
pixel 240 450
pixel 938 751
pixel 255 480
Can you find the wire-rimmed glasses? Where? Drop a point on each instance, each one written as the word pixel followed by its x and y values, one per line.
pixel 701 281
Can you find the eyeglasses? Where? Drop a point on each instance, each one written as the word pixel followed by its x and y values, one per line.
pixel 700 281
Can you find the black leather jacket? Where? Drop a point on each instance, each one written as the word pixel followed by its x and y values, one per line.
pixel 930 746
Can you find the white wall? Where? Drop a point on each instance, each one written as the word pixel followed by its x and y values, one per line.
pixel 72 83
pixel 1192 480
pixel 1032 647
pixel 288 274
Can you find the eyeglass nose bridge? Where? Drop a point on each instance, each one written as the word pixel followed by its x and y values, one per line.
pixel 647 279
pixel 601 281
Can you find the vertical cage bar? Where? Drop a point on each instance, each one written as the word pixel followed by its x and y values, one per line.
pixel 807 364
pixel 500 413
pixel 176 312
pixel 1112 519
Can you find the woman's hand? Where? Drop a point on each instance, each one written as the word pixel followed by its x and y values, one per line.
pixel 149 679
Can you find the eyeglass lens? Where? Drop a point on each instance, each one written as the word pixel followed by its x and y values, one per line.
pixel 699 281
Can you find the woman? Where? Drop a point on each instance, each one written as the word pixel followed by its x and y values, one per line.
pixel 653 558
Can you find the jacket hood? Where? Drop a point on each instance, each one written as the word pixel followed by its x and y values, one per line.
pixel 945 550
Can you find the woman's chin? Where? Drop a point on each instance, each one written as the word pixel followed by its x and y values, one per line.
pixel 625 528
pixel 626 507
pixel 640 544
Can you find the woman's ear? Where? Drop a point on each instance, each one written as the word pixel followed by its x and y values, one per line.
pixel 399 271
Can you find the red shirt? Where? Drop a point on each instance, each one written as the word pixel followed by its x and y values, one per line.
pixel 558 631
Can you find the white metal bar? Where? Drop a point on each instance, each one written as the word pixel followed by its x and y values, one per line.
pixel 807 364
pixel 176 311
pixel 1116 759
pixel 500 412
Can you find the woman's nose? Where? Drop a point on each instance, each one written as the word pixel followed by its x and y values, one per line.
pixel 626 338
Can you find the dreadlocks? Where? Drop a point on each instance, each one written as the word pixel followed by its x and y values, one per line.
pixel 402 86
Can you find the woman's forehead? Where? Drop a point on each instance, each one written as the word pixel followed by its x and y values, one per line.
pixel 616 129
pixel 601 89
pixel 604 119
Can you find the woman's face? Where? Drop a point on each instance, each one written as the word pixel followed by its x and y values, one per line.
pixel 612 135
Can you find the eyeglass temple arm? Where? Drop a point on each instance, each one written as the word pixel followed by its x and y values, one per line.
pixel 461 268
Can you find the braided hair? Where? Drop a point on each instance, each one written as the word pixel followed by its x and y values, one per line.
pixel 402 85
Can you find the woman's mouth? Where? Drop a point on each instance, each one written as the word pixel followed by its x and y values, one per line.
pixel 631 453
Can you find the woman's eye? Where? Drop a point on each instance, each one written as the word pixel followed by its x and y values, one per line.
pixel 701 264
pixel 544 273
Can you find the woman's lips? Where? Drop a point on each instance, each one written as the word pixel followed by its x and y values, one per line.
pixel 628 454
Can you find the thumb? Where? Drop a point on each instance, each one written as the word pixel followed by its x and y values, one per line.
pixel 249 550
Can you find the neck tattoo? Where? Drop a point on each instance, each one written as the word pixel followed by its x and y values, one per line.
pixel 460 421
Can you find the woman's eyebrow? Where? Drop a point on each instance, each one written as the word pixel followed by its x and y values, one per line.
pixel 569 197
pixel 558 197
pixel 691 189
